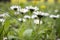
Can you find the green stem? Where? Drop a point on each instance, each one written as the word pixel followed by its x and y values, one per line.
pixel 36 32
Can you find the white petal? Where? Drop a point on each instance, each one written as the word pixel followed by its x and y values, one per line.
pixel 27 16
pixel 15 6
pixel 36 21
pixel 46 14
pixel 36 12
pixel 5 38
pixel 20 19
pixel 34 16
pixel 56 16
pixel 24 10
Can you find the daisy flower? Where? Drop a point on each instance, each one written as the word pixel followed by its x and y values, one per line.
pixel 54 16
pixel 22 20
pixel 36 21
pixel 36 12
pixel 27 17
pixel 15 8
pixel 31 8
pixel 44 14
pixel 16 13
pixel 34 16
pixel 23 11
pixel 41 14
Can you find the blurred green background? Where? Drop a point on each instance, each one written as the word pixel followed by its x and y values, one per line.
pixel 43 5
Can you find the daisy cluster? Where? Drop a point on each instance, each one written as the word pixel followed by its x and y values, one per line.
pixel 34 11
pixel 29 12
pixel 36 14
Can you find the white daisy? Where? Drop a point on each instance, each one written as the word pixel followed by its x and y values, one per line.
pixel 40 13
pixel 36 21
pixel 15 7
pixel 54 16
pixel 22 20
pixel 31 8
pixel 36 12
pixel 44 14
pixel 34 16
pixel 24 10
pixel 27 17
pixel 27 32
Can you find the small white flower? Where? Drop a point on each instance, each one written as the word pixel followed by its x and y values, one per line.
pixel 40 13
pixel 34 16
pixel 5 38
pixel 4 15
pixel 24 10
pixel 44 14
pixel 27 32
pixel 22 20
pixel 15 7
pixel 54 16
pixel 36 12
pixel 36 21
pixel 31 7
pixel 56 10
pixel 27 17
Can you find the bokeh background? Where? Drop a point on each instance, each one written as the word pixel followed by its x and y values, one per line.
pixel 12 33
